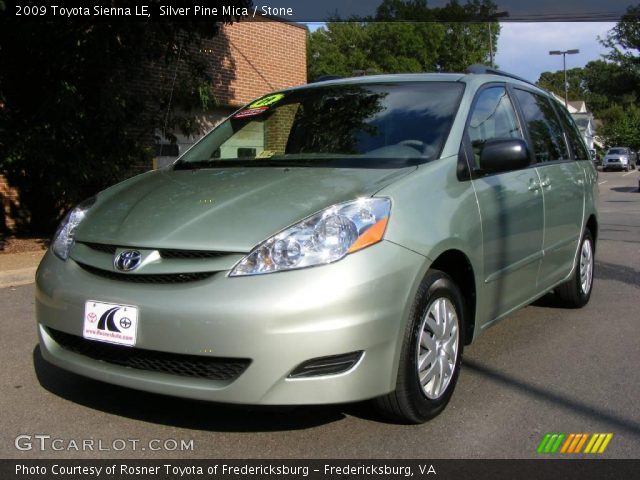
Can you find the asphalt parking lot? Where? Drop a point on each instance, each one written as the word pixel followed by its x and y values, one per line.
pixel 544 369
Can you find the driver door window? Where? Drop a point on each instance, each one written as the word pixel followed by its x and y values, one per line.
pixel 492 117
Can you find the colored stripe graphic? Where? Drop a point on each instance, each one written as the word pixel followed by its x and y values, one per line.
pixel 567 442
pixel 572 443
pixel 604 445
pixel 581 443
pixel 591 443
pixel 543 443
pixel 556 445
pixel 598 442
pixel 551 442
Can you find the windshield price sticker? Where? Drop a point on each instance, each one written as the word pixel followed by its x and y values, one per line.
pixel 250 112
pixel 267 101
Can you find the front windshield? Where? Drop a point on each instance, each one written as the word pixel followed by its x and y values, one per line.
pixel 617 151
pixel 361 125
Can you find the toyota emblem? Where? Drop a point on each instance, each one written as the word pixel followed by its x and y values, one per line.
pixel 128 260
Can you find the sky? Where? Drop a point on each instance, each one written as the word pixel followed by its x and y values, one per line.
pixel 523 48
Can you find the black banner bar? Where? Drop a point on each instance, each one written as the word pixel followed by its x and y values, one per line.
pixel 303 10
pixel 567 469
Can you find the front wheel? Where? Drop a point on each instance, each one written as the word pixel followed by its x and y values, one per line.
pixel 576 291
pixel 431 352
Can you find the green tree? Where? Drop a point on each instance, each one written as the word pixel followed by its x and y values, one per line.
pixel 339 49
pixel 466 43
pixel 405 47
pixel 608 83
pixel 615 84
pixel 599 83
pixel 621 126
pixel 554 82
pixel 71 118
pixel 406 36
pixel 610 87
pixel 623 41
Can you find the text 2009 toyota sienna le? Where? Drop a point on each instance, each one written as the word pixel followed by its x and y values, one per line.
pixel 335 242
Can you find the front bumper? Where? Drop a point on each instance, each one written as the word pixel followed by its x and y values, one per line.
pixel 277 320
pixel 616 165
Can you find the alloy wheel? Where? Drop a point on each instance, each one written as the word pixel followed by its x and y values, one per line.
pixel 586 266
pixel 437 347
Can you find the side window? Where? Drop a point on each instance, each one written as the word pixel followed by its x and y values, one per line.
pixel 573 134
pixel 492 117
pixel 544 128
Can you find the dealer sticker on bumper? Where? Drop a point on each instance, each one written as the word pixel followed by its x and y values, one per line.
pixel 110 322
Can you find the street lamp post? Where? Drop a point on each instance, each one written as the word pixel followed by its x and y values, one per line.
pixel 564 54
pixel 493 18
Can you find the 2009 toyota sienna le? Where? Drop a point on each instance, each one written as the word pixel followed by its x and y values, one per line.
pixel 335 242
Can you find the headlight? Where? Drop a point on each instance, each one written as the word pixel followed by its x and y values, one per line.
pixel 63 239
pixel 322 238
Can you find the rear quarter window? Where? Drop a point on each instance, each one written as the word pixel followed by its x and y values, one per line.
pixel 573 134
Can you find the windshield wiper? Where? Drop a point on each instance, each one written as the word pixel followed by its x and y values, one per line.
pixel 342 162
pixel 242 163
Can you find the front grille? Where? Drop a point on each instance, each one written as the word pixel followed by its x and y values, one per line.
pixel 148 277
pixel 191 254
pixel 210 368
pixel 164 253
pixel 100 247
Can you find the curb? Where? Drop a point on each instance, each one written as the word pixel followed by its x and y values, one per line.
pixel 14 278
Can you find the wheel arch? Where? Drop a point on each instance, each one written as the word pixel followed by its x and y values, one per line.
pixel 592 225
pixel 457 265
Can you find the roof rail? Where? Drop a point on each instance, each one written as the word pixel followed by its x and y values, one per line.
pixel 478 68
pixel 325 78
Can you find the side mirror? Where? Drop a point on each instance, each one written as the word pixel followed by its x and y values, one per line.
pixel 501 155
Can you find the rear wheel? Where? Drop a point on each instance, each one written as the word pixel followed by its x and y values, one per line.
pixel 576 291
pixel 431 352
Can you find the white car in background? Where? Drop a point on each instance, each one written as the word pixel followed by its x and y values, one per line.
pixel 617 158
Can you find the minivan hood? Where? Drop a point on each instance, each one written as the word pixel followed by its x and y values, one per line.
pixel 227 210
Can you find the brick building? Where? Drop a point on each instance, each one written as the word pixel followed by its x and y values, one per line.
pixel 245 60
pixel 248 59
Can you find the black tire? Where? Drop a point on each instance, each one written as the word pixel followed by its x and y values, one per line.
pixel 571 293
pixel 409 402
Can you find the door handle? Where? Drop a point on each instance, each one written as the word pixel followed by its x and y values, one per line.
pixel 545 183
pixel 534 186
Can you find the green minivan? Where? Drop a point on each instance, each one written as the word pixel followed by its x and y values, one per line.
pixel 335 242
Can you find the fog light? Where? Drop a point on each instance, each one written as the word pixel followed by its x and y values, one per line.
pixel 331 365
